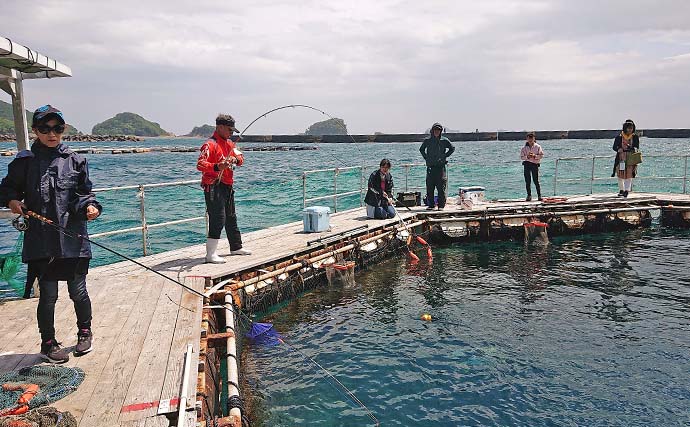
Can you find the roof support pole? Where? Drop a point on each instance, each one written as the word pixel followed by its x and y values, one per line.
pixel 11 83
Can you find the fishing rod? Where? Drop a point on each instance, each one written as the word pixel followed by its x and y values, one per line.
pixel 78 236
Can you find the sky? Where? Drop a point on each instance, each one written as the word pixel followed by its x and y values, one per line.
pixel 393 66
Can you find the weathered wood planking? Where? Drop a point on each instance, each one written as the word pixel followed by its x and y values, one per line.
pixel 106 402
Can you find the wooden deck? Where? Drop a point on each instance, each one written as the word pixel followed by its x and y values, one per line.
pixel 143 322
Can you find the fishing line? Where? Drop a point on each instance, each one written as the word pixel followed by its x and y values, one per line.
pixel 239 313
pixel 301 106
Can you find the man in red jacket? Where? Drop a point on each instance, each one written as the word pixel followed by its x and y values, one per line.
pixel 216 161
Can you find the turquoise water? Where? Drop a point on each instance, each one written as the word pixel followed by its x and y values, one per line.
pixel 591 331
pixel 269 186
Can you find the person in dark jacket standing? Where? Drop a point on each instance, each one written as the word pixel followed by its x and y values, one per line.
pixel 436 149
pixel 625 143
pixel 53 181
pixel 380 192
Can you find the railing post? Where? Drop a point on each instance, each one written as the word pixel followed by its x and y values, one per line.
pixel 144 229
pixel 335 190
pixel 685 174
pixel 361 186
pixel 407 173
pixel 304 189
pixel 555 177
pixel 591 183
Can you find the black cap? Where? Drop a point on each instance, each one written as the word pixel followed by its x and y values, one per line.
pixel 45 113
pixel 226 120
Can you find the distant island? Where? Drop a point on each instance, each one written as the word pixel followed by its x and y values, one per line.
pixel 129 124
pixel 7 121
pixel 203 131
pixel 334 126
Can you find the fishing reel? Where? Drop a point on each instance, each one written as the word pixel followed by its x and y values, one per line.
pixel 20 223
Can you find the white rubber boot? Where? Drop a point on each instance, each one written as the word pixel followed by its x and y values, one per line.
pixel 211 255
pixel 241 251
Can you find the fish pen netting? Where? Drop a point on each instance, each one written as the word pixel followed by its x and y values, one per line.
pixel 54 383
pixel 46 416
pixel 10 263
pixel 536 232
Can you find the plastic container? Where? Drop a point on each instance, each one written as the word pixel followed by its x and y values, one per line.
pixel 316 219
pixel 470 196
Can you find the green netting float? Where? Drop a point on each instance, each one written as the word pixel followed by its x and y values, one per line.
pixel 10 263
pixel 33 387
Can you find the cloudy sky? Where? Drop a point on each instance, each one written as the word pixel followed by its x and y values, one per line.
pixel 386 65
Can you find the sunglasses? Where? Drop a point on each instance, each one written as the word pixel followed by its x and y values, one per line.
pixel 45 129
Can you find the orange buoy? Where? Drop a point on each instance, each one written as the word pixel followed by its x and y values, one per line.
pixel 414 257
pixel 29 393
pixel 422 241
pixel 428 253
pixel 426 317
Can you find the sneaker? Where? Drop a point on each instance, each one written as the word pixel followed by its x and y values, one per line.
pixel 84 338
pixel 52 351
pixel 625 194
pixel 528 199
pixel 431 208
pixel 241 251
pixel 540 198
pixel 440 208
pixel 620 193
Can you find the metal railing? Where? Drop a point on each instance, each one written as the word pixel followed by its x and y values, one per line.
pixel 362 183
pixel 145 226
pixel 592 177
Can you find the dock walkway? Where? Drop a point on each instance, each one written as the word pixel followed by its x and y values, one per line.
pixel 143 322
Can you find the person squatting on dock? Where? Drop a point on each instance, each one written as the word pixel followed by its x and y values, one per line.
pixel 531 155
pixel 53 181
pixel 218 157
pixel 436 149
pixel 625 144
pixel 379 198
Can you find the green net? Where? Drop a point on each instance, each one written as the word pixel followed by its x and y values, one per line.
pixel 41 417
pixel 54 382
pixel 10 263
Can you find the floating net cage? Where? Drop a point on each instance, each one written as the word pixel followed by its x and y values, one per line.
pixel 340 273
pixel 535 232
pixel 25 390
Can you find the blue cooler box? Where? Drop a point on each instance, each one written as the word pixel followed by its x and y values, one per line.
pixel 316 219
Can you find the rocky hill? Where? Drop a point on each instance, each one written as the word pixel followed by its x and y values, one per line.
pixel 129 124
pixel 203 131
pixel 334 126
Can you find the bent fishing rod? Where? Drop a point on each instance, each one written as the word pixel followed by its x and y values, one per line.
pixel 78 236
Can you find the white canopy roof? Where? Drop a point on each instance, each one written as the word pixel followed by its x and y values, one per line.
pixel 30 63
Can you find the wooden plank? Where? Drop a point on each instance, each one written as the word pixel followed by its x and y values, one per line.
pixel 160 421
pixel 150 370
pixel 187 330
pixel 112 311
pixel 28 341
pixel 105 404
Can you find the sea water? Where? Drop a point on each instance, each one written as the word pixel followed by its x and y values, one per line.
pixel 586 331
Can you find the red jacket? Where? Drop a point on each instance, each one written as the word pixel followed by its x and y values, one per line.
pixel 214 151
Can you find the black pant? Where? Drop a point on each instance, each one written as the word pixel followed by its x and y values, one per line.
pixel 436 178
pixel 220 205
pixel 49 295
pixel 533 170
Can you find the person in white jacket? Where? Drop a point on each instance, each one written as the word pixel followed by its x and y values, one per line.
pixel 531 155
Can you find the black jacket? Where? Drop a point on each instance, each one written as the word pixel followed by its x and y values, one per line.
pixel 374 196
pixel 436 150
pixel 53 182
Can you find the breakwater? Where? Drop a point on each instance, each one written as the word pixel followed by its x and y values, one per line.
pixel 466 136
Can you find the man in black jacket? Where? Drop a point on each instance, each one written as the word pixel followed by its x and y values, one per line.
pixel 436 149
pixel 53 181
